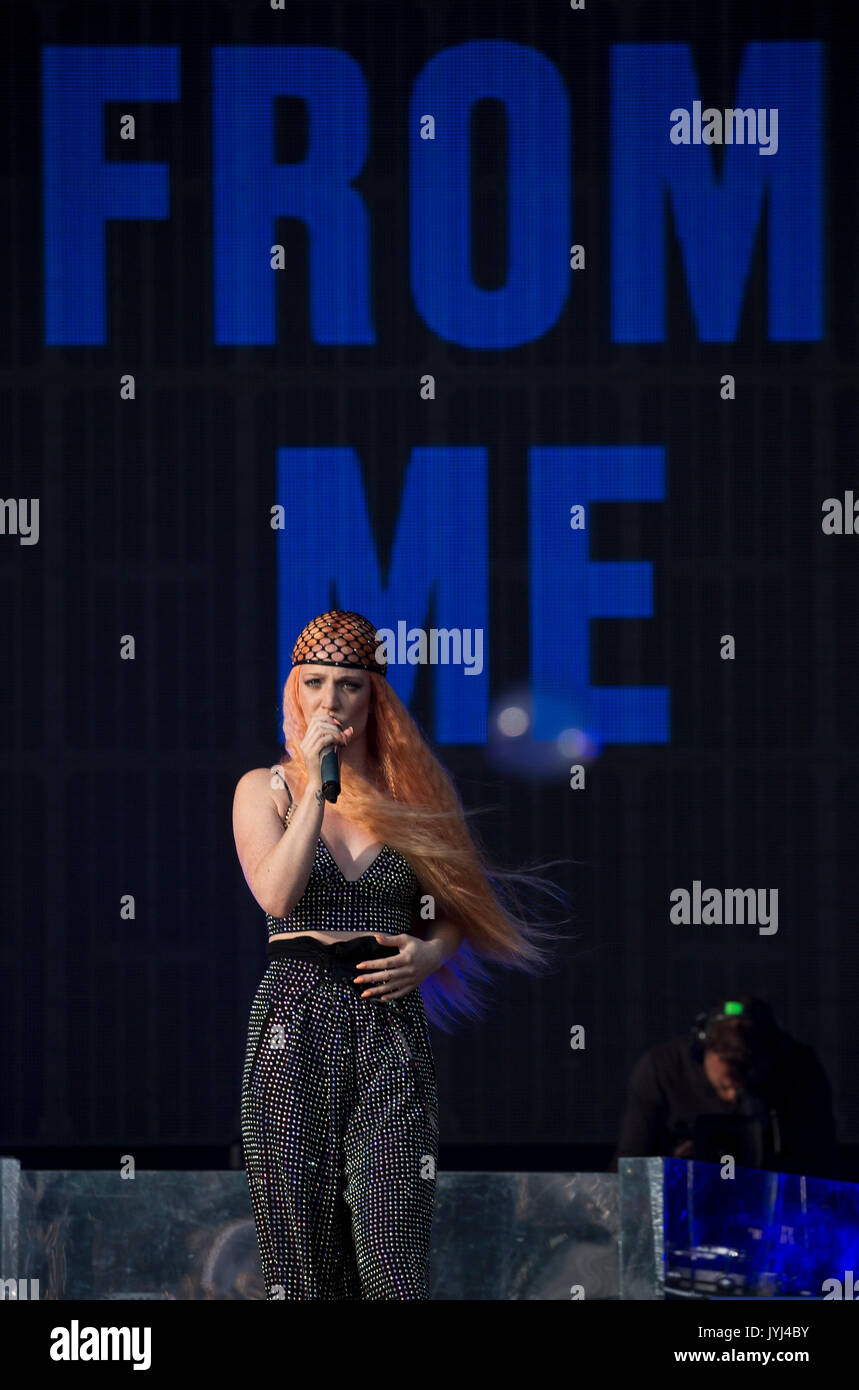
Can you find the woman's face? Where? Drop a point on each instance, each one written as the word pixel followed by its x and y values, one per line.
pixel 338 691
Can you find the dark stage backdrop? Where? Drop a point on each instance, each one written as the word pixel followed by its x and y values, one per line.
pixel 294 317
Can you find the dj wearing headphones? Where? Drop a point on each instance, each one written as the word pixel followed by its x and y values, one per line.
pixel 738 1085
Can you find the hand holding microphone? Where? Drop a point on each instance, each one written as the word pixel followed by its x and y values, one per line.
pixel 320 747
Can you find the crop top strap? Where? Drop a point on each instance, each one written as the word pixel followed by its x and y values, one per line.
pixel 284 781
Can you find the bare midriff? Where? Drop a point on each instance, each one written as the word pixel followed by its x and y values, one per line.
pixel 329 937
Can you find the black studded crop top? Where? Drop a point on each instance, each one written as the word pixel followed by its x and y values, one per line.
pixel 379 900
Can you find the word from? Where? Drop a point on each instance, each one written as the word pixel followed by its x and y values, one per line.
pixel 715 220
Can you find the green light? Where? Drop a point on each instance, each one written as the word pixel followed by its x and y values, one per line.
pixel 733 1006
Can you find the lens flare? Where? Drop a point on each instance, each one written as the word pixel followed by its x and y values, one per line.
pixel 511 746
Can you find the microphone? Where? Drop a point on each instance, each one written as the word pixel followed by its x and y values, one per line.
pixel 329 768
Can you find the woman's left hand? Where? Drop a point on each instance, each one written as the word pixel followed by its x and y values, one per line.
pixel 394 976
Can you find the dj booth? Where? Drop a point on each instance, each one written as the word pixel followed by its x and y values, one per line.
pixel 656 1229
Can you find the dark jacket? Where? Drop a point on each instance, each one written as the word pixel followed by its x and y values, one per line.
pixel 668 1088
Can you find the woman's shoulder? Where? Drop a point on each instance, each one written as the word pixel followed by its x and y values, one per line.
pixel 276 782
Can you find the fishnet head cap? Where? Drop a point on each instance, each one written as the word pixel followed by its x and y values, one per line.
pixel 338 639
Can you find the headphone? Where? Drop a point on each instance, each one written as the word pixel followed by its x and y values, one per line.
pixel 758 1013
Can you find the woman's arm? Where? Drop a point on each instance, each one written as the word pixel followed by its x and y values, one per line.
pixel 423 951
pixel 445 936
pixel 276 863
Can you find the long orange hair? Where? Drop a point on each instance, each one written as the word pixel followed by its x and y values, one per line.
pixel 412 805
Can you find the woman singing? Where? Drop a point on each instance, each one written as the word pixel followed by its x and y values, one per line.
pixel 366 906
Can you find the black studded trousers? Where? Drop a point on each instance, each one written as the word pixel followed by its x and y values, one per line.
pixel 340 1128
